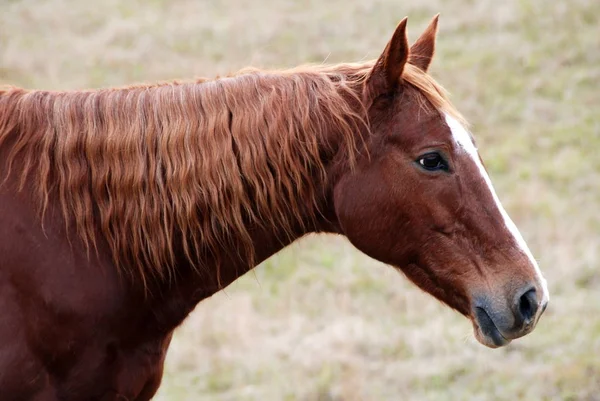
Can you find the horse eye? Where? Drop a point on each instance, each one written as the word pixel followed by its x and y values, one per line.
pixel 433 162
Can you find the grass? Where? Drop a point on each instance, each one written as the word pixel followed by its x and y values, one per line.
pixel 321 321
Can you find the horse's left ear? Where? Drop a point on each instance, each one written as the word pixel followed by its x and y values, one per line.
pixel 385 75
pixel 421 52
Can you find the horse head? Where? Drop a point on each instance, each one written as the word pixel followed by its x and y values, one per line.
pixel 419 198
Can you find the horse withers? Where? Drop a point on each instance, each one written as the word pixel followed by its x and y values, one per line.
pixel 121 209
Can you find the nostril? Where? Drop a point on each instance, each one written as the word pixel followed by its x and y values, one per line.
pixel 528 305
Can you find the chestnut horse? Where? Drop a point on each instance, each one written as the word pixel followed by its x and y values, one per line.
pixel 121 209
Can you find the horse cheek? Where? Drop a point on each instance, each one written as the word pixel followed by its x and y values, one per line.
pixel 367 217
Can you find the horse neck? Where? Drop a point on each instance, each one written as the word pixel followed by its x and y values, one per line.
pixel 315 125
pixel 192 286
pixel 263 146
pixel 304 196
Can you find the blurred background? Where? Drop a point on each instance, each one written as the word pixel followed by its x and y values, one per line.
pixel 320 321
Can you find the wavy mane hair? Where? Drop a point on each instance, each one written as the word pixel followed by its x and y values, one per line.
pixel 188 166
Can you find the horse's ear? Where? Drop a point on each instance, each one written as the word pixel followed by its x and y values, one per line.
pixel 385 75
pixel 421 52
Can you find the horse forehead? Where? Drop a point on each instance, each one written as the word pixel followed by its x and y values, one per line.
pixel 422 124
pixel 461 136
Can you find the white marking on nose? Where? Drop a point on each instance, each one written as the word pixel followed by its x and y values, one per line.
pixel 463 139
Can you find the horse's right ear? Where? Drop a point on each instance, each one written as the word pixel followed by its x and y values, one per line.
pixel 385 75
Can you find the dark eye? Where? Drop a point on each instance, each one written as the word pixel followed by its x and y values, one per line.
pixel 433 162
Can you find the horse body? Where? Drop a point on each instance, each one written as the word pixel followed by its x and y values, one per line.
pixel 123 209
pixel 73 328
pixel 70 329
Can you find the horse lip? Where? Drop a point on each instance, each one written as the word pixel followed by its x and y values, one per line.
pixel 491 336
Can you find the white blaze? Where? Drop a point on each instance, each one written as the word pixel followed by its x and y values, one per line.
pixel 463 139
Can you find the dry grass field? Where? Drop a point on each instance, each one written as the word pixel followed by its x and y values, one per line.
pixel 320 321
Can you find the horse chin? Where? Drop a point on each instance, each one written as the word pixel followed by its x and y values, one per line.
pixel 489 335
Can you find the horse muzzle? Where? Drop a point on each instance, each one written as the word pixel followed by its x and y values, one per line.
pixel 496 323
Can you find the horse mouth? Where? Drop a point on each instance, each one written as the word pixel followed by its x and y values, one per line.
pixel 486 331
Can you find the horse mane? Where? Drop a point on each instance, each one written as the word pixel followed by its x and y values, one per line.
pixel 160 169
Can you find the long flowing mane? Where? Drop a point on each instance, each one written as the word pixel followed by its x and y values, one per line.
pixel 187 165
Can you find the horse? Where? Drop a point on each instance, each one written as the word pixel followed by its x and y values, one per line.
pixel 121 209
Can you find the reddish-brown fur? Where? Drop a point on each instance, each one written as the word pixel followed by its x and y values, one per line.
pixel 121 209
